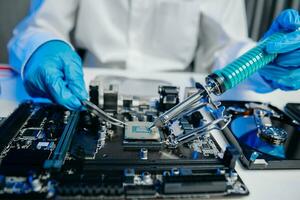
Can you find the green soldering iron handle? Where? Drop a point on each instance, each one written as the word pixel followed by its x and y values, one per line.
pixel 231 75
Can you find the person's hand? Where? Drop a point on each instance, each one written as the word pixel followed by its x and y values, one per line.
pixel 284 71
pixel 54 71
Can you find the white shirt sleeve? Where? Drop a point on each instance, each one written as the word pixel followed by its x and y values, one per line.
pixel 47 20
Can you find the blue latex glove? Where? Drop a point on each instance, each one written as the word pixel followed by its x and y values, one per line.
pixel 54 71
pixel 284 71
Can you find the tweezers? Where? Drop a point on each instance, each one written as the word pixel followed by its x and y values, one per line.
pixel 101 114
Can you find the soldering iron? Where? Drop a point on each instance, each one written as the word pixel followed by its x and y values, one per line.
pixel 223 79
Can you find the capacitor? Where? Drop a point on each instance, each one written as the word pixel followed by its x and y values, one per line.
pixel 195 155
pixel 174 172
pixel 36 185
pixel 144 154
pixel 34 182
pixel 147 178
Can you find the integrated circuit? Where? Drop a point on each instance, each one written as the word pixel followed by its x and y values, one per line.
pixel 48 152
pixel 138 135
pixel 140 131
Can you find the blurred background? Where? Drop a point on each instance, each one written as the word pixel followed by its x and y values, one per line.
pixel 260 14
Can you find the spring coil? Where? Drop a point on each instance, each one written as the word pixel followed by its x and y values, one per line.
pixel 248 63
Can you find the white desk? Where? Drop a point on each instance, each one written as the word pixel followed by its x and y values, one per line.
pixel 263 184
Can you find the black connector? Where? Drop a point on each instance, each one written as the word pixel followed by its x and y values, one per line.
pixel 230 157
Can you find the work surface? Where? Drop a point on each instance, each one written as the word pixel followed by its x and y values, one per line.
pixel 263 184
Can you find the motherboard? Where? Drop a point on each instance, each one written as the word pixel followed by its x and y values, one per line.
pixel 50 152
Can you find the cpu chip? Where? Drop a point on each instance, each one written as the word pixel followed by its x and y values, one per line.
pixel 140 131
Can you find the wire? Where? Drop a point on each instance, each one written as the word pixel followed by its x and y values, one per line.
pixel 7 71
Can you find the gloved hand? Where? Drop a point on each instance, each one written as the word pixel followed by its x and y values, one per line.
pixel 54 71
pixel 284 71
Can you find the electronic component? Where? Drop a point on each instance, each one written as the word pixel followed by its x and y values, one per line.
pixel 144 154
pixel 205 147
pixel 94 94
pixel 137 135
pixel 45 145
pixel 50 152
pixel 195 119
pixel 168 97
pixel 230 157
pixel 110 99
pixel 127 103
pixel 140 131
pixel 268 139
pixel 199 100
pixel 90 130
pixel 189 134
pixel 31 133
pixel 58 157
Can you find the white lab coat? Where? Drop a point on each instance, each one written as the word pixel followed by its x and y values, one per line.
pixel 145 35
pixel 148 35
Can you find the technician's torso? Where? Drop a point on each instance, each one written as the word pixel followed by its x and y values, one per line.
pixel 147 35
pixel 144 35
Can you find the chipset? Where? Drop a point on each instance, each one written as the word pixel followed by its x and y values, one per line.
pixel 140 131
pixel 137 135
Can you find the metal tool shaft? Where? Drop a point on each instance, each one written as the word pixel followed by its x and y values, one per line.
pixel 224 79
pixel 179 108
